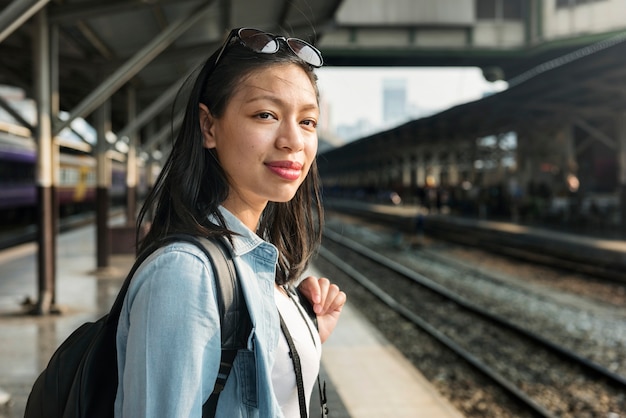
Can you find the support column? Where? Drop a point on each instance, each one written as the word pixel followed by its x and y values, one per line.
pixel 621 140
pixel 406 172
pixel 55 109
pixel 570 156
pixel 45 188
pixel 103 181
pixel 413 178
pixel 152 166
pixel 451 167
pixel 131 162
pixel 436 166
pixel 421 168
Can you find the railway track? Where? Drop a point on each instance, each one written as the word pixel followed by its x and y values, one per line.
pixel 534 249
pixel 550 380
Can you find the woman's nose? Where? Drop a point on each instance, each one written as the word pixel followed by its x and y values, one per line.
pixel 291 136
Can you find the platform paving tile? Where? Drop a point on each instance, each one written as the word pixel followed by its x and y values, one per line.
pixel 374 379
pixel 365 376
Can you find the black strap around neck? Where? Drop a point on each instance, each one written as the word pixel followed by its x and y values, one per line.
pixel 297 366
pixel 304 304
pixel 308 307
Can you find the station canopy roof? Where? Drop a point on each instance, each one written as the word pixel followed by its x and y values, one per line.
pixel 153 45
pixel 584 88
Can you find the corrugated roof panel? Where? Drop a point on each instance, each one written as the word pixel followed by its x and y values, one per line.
pixel 263 15
pixel 161 73
pixel 209 29
pixel 306 15
pixel 126 33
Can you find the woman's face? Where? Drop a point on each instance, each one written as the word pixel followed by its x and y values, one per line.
pixel 267 139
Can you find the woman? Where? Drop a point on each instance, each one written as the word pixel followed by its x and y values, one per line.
pixel 242 168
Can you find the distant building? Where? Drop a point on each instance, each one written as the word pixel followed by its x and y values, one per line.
pixel 394 101
pixel 359 129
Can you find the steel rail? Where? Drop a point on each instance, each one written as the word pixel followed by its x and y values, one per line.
pixel 586 364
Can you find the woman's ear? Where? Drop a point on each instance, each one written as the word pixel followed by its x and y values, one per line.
pixel 207 126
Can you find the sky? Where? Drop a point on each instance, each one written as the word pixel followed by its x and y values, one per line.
pixel 356 93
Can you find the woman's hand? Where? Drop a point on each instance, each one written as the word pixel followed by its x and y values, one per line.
pixel 327 301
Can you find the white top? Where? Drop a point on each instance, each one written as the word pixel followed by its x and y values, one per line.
pixel 283 374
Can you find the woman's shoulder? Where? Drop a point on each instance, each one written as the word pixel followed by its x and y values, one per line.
pixel 177 265
pixel 179 251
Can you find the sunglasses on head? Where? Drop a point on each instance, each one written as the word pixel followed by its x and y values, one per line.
pixel 268 43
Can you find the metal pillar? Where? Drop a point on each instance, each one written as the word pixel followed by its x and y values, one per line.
pixel 454 175
pixel 103 180
pixel 421 168
pixel 55 108
pixel 621 140
pixel 570 157
pixel 405 168
pixel 45 186
pixel 164 100
pixel 135 64
pixel 152 165
pixel 159 138
pixel 131 161
pixel 151 129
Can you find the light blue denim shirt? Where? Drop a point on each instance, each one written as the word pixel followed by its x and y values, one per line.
pixel 168 339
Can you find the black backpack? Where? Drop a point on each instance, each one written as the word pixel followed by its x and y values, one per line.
pixel 81 377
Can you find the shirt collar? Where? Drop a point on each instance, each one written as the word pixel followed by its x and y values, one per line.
pixel 245 240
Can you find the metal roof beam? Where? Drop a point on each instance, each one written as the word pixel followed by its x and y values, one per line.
pixel 154 109
pixel 172 54
pixel 596 133
pixel 16 14
pixel 135 64
pixel 69 13
pixel 95 41
pixel 163 133
pixel 15 114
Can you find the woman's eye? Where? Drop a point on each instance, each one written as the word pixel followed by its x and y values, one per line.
pixel 264 115
pixel 310 122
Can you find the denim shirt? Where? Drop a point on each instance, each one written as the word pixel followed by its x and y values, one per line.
pixel 168 338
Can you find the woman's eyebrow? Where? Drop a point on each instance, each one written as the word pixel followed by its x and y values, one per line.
pixel 279 101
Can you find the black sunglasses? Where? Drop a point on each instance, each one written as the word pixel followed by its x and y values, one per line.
pixel 267 43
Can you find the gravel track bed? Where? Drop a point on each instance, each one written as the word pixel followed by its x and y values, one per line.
pixel 594 329
pixel 585 314
pixel 471 393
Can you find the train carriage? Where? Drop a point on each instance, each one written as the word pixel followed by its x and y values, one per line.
pixel 76 180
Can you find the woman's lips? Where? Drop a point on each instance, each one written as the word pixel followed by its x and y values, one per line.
pixel 288 170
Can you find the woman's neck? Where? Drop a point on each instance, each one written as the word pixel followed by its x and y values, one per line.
pixel 248 215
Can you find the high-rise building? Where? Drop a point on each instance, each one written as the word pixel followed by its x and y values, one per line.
pixel 394 101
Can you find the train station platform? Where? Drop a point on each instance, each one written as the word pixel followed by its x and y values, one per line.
pixel 366 376
pixel 592 246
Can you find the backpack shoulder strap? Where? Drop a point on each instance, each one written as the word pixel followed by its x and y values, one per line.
pixel 234 317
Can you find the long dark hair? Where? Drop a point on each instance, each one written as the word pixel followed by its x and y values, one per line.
pixel 192 183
